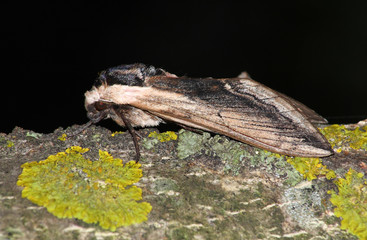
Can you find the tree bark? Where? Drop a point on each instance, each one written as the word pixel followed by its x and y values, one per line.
pixel 197 193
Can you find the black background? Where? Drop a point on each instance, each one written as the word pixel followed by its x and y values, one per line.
pixel 313 51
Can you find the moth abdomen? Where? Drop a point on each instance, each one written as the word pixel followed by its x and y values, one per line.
pixel 136 116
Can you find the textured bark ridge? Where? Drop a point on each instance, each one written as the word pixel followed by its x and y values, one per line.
pixel 200 186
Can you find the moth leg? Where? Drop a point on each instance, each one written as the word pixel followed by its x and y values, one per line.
pixel 134 135
pixel 138 134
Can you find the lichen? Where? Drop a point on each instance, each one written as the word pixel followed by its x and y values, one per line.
pixel 149 143
pixel 352 193
pixel 33 134
pixel 303 204
pixel 190 143
pixel 62 137
pixel 341 138
pixel 275 164
pixel 116 133
pixel 5 142
pixel 351 203
pixel 9 144
pixel 71 186
pixel 163 137
pixel 310 168
pixel 234 155
pixel 154 138
pixel 231 153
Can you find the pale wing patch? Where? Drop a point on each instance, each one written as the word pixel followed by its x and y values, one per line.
pixel 122 94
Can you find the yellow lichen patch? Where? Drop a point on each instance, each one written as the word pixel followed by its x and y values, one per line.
pixel 310 168
pixel 341 138
pixel 351 203
pixel 163 137
pixel 116 133
pixel 9 144
pixel 101 191
pixel 62 137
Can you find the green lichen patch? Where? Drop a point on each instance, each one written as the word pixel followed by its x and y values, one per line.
pixel 101 191
pixel 351 203
pixel 342 138
pixel 33 134
pixel 276 165
pixel 235 155
pixel 232 153
pixel 190 143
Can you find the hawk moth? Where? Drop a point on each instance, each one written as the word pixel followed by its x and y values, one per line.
pixel 240 108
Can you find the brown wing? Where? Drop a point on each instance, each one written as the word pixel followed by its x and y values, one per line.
pixel 274 119
pixel 309 114
pixel 239 108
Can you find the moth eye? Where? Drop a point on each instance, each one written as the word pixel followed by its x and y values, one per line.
pixel 100 106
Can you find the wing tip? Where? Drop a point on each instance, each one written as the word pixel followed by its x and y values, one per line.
pixel 321 150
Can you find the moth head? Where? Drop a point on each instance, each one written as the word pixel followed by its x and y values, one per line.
pixel 132 75
pixel 98 110
pixel 129 75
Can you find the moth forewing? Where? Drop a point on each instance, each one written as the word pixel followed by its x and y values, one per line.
pixel 240 108
pixel 251 130
pixel 307 112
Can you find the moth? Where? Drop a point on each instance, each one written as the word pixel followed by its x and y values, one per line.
pixel 137 95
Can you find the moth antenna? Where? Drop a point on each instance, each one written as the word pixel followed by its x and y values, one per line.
pixel 133 134
pixel 87 125
pixel 81 129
